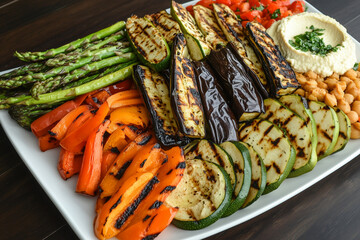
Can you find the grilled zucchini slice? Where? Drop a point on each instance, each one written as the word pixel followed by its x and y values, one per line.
pixel 185 96
pixel 242 166
pixel 202 196
pixel 166 25
pixel 148 43
pixel 155 93
pixel 327 125
pixel 258 177
pixel 206 150
pixel 198 47
pixel 279 73
pixel 208 25
pixel 298 133
pixel 274 148
pixel 344 130
pixel 234 32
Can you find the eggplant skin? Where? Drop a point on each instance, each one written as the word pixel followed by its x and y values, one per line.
pixel 221 120
pixel 185 96
pixel 281 76
pixel 242 95
pixel 155 93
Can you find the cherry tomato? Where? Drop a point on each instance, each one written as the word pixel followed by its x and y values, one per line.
pixel 297 7
pixel 226 2
pixel 265 2
pixel 244 7
pixel 250 15
pixel 284 3
pixel 272 7
pixel 269 23
pixel 254 3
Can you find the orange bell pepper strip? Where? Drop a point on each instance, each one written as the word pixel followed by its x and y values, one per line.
pixel 90 172
pixel 97 99
pixel 131 115
pixel 116 140
pixel 114 215
pixel 47 142
pixel 122 162
pixel 169 176
pixel 107 159
pixel 69 164
pixel 44 123
pixel 151 226
pixel 133 93
pixel 62 126
pixel 132 132
pixel 75 140
pixel 79 121
pixel 127 102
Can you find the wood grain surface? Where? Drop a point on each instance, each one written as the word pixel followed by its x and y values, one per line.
pixel 328 210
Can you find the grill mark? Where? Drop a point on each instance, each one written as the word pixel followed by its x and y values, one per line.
pixel 277 168
pixel 181 165
pixel 276 141
pixel 268 129
pixel 116 204
pixel 151 237
pixel 115 150
pixel 122 170
pixel 300 152
pixel 143 163
pixel 342 134
pixel 156 205
pixel 255 184
pixel 168 189
pixel 130 210
pixel 145 140
pixel 326 135
pixel 146 218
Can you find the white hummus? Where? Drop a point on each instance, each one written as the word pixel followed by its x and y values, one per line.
pixel 339 62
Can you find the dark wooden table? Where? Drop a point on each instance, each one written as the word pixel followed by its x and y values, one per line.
pixel 328 210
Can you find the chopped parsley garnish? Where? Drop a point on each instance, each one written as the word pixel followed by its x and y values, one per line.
pixel 356 66
pixel 311 42
pixel 276 14
pixel 260 8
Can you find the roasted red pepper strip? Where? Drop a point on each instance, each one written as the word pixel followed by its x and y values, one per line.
pixel 69 164
pixel 76 139
pixel 118 87
pixel 44 123
pixel 90 172
pixel 47 142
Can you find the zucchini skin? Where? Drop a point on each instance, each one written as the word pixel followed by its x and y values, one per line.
pixel 147 41
pixel 344 130
pixel 198 46
pixel 243 95
pixel 155 94
pixel 185 97
pixel 279 73
pixel 222 124
pixel 195 225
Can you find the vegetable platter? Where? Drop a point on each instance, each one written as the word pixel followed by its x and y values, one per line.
pixel 79 210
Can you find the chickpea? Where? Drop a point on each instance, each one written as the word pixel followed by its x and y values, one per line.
pixel 348 98
pixel 353 90
pixel 310 85
pixel 311 74
pixel 319 93
pixel 358 74
pixel 353 116
pixel 322 84
pixel 343 105
pixel 343 85
pixel 357 82
pixel 301 78
pixel 312 97
pixel 335 75
pixel 355 133
pixel 356 125
pixel 355 106
pixel 351 74
pixel 338 92
pixel 331 82
pixel 330 100
pixel 345 79
pixel 300 92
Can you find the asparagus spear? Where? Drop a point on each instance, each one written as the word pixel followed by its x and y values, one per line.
pixel 25 115
pixel 53 83
pixel 37 56
pixel 33 67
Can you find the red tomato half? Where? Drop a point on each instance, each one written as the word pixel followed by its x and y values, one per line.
pixel 297 7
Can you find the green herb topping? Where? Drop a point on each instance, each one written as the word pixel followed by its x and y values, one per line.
pixel 276 14
pixel 356 66
pixel 310 41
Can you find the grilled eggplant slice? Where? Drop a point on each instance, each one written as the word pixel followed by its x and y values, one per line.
pixel 208 25
pixel 240 155
pixel 274 148
pixel 280 75
pixel 246 102
pixel 197 44
pixel 234 32
pixel 298 133
pixel 327 125
pixel 155 93
pixel 222 124
pixel 166 25
pixel 148 43
pixel 206 150
pixel 344 130
pixel 185 96
pixel 202 196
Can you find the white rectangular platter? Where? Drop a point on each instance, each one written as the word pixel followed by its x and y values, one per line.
pixel 79 211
